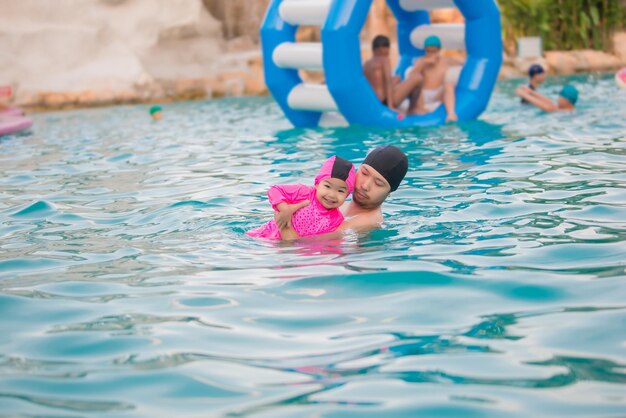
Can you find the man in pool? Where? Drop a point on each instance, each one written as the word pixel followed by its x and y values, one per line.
pixel 566 102
pixel 536 76
pixel 378 176
pixel 428 83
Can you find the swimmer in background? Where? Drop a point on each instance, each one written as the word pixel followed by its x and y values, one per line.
pixel 536 77
pixel 156 112
pixel 310 210
pixel 566 102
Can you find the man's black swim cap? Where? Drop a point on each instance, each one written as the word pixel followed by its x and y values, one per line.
pixel 390 162
pixel 534 70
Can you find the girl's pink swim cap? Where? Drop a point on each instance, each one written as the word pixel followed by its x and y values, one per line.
pixel 337 168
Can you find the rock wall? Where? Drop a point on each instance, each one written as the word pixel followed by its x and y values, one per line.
pixel 571 62
pixel 115 49
pixel 240 18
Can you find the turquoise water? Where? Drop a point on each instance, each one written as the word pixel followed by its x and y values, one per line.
pixel 496 288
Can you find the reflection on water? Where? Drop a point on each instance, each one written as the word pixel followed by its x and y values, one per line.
pixel 495 289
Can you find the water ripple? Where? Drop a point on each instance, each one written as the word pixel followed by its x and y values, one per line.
pixel 128 288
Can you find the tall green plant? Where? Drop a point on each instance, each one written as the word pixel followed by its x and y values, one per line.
pixel 563 24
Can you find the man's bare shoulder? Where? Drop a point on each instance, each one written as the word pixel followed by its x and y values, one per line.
pixel 363 222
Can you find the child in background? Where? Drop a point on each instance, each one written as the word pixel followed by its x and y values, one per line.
pixel 333 184
pixel 156 112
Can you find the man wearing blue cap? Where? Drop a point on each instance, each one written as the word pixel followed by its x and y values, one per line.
pixel 536 76
pixel 427 86
pixel 566 101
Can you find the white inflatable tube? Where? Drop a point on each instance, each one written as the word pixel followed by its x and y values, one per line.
pixel 304 12
pixel 452 35
pixel 306 55
pixel 413 5
pixel 314 97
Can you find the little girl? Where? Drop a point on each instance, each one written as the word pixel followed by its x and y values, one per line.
pixel 333 184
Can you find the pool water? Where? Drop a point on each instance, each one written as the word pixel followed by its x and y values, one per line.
pixel 496 288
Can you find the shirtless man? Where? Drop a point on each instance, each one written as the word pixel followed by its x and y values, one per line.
pixel 566 102
pixel 389 89
pixel 377 70
pixel 378 176
pixel 426 85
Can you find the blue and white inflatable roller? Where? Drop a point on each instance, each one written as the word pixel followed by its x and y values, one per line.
pixel 347 91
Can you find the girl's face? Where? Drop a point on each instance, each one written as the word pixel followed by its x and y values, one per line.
pixel 331 192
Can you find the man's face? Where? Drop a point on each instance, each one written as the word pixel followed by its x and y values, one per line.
pixel 382 51
pixel 564 103
pixel 370 188
pixel 432 51
pixel 539 78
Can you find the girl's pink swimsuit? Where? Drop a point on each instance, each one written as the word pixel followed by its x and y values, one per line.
pixel 313 219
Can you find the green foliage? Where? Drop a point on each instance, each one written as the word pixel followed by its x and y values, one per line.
pixel 563 24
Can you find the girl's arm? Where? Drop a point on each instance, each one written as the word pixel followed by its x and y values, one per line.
pixel 286 199
pixel 288 193
pixel 282 217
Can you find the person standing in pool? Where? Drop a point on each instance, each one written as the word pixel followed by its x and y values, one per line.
pixel 318 205
pixel 536 76
pixel 380 174
pixel 566 102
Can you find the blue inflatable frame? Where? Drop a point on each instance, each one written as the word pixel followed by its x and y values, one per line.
pixel 343 69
